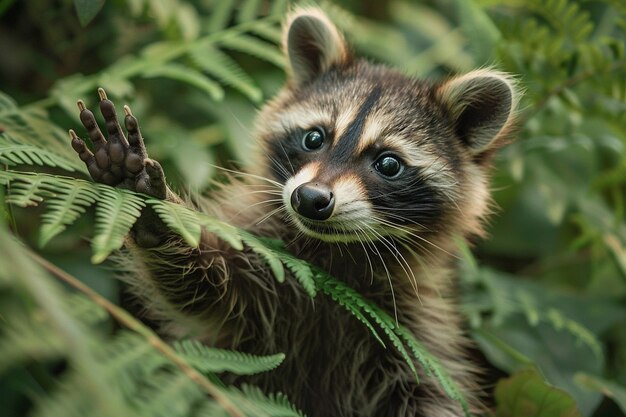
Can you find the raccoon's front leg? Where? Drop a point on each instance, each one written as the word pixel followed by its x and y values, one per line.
pixel 123 162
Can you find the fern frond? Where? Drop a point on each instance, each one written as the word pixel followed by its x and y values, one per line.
pixel 253 402
pixel 220 15
pixel 301 271
pixel 432 367
pixel 116 212
pixel 337 291
pixel 399 337
pixel 16 154
pixel 224 231
pixel 248 11
pixel 179 219
pixel 273 261
pixel 190 76
pixel 25 339
pixel 565 16
pixel 26 190
pixel 221 66
pixel 255 47
pixel 168 393
pixel 85 310
pixel 207 359
pixel 64 208
pixel 129 359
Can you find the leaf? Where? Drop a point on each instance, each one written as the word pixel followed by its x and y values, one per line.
pixel 248 10
pixel 527 394
pixel 208 359
pixel 479 28
pixel 179 219
pixel 255 47
pixel 224 68
pixel 87 10
pixel 273 261
pixel 64 208
pixel 254 402
pixel 224 231
pixel 610 389
pixel 116 212
pixel 190 76
pixel 26 191
pixel 301 271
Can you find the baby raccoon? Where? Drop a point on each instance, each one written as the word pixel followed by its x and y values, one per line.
pixel 364 172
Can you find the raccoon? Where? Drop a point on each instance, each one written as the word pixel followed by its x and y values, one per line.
pixel 362 171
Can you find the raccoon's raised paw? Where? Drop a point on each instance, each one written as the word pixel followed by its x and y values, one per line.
pixel 117 160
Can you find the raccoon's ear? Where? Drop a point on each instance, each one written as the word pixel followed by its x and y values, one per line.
pixel 312 44
pixel 482 105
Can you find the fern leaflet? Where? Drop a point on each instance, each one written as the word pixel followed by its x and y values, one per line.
pixel 64 208
pixel 206 359
pixel 179 219
pixel 116 212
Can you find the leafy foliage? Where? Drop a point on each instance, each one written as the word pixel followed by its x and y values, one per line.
pixel 551 287
pixel 526 394
pixel 120 208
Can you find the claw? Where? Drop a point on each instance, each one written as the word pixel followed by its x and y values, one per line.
pixel 73 134
pixel 81 105
pixel 127 111
pixel 102 93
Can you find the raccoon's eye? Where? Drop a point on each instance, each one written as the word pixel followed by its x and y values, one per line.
pixel 313 139
pixel 388 166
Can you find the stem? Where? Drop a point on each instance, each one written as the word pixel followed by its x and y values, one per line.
pixel 124 318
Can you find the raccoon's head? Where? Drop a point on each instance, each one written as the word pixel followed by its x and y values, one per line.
pixel 366 152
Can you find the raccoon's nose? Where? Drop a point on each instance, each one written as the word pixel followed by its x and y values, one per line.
pixel 313 200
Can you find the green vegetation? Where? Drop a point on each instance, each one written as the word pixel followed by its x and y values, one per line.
pixel 544 295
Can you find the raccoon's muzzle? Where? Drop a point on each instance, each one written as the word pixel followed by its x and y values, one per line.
pixel 315 201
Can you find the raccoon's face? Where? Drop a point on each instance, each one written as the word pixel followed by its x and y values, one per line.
pixel 365 152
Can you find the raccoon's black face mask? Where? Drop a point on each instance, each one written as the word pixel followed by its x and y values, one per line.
pixel 365 152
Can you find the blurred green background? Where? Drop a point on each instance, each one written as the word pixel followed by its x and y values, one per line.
pixel 546 288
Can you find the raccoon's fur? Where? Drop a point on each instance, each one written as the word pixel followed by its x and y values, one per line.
pixel 370 175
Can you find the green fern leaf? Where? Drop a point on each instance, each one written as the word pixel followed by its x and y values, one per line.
pixel 207 359
pixel 189 76
pixel 224 68
pixel 116 212
pixel 129 360
pixel 31 127
pixel 220 15
pixel 337 291
pixel 25 190
pixel 17 154
pixel 25 338
pixel 253 402
pixel 224 231
pixel 273 261
pixel 168 393
pixel 301 271
pixel 255 47
pixel 433 367
pixel 279 7
pixel 179 219
pixel 64 208
pixel 84 309
pixel 248 11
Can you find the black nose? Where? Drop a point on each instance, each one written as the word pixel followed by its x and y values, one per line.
pixel 313 200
